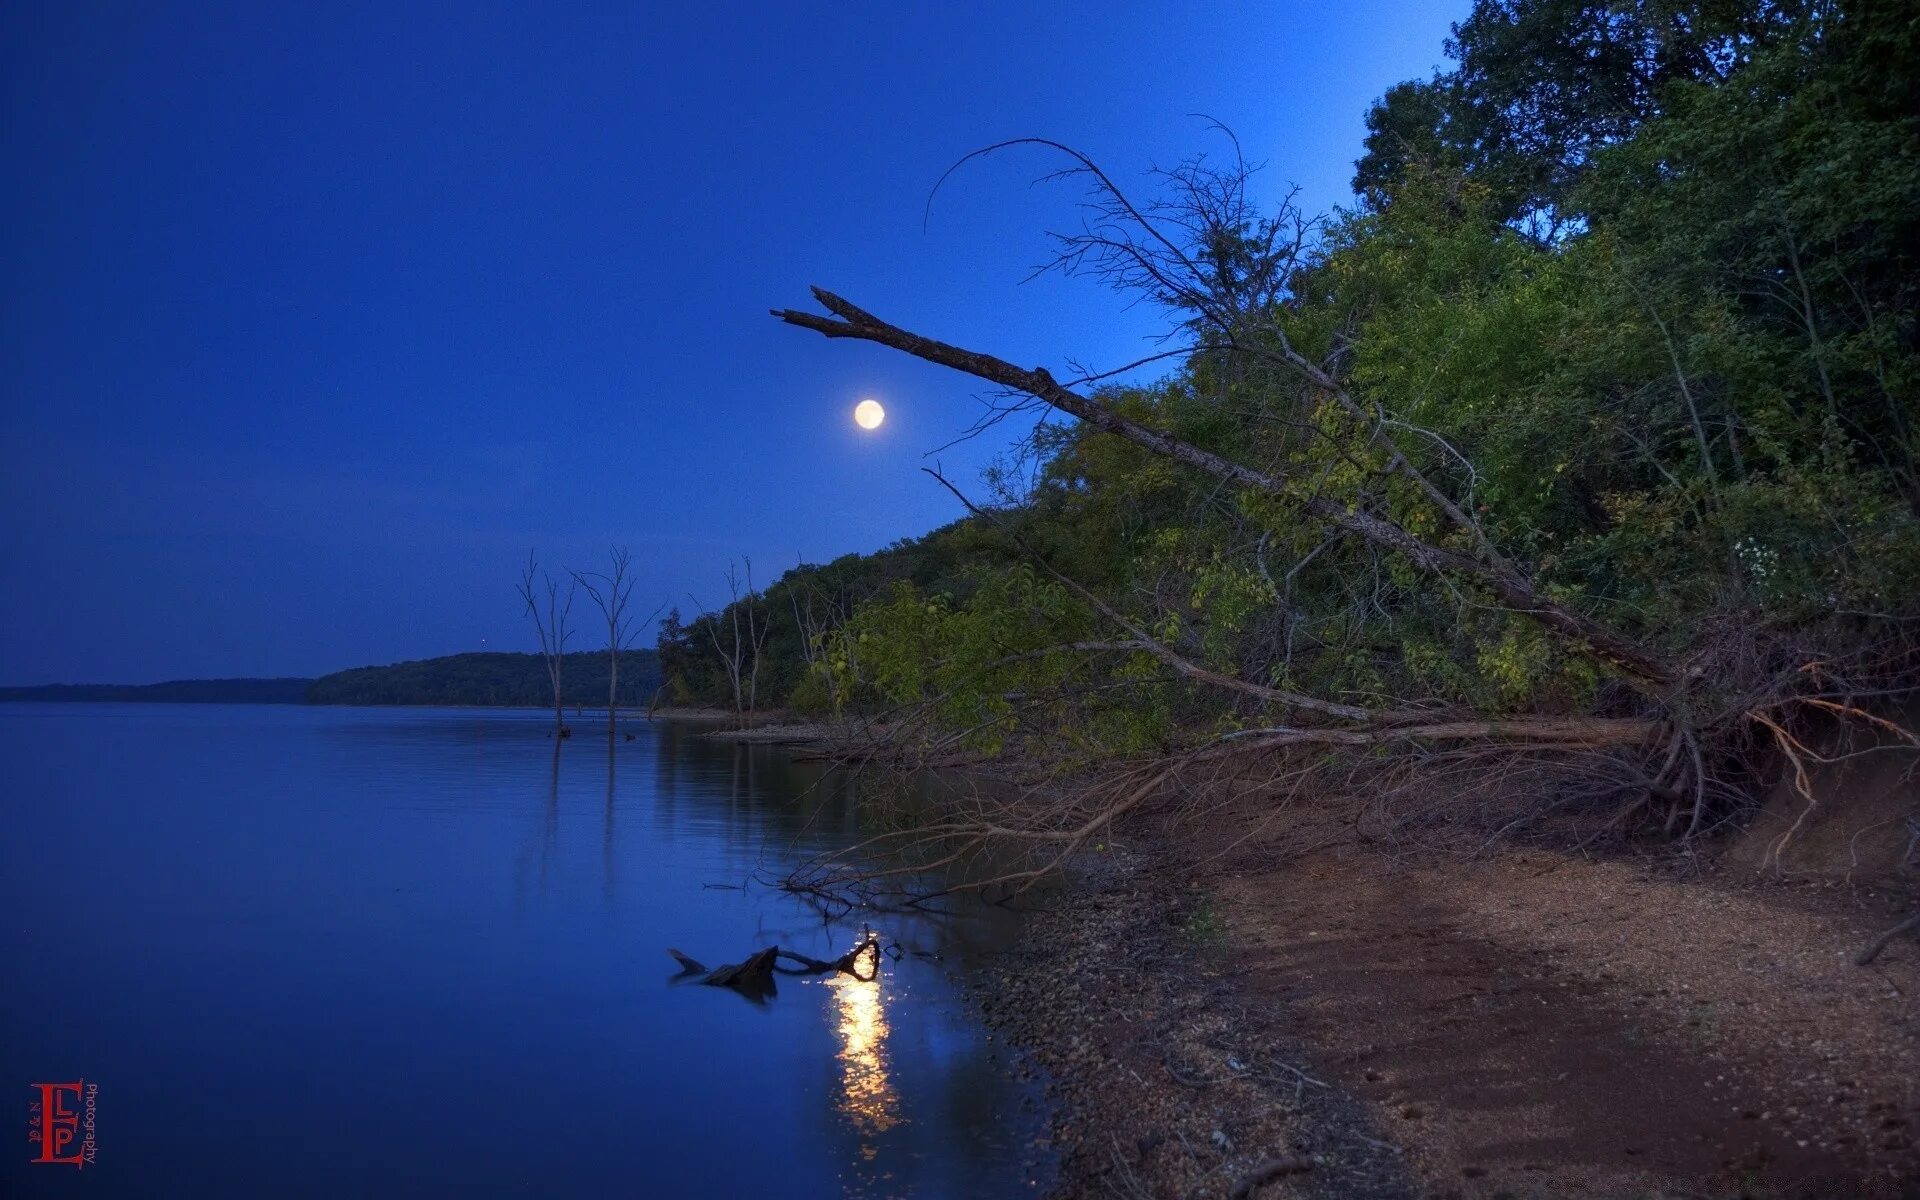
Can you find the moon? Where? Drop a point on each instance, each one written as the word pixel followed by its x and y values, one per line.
pixel 868 414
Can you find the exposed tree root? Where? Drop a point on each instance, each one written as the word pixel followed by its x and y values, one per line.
pixel 1873 948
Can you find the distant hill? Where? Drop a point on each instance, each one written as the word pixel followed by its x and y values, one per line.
pixel 178 691
pixel 503 680
pixel 491 679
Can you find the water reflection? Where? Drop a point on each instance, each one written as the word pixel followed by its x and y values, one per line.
pixel 606 832
pixel 551 841
pixel 440 894
pixel 867 1095
pixel 537 851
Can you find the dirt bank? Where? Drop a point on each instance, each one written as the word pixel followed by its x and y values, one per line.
pixel 1271 1005
pixel 1171 1078
pixel 1526 1025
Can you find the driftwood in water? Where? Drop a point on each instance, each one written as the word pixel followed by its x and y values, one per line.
pixel 752 973
pixel 688 966
pixel 755 974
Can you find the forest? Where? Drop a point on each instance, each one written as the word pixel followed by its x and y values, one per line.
pixel 514 680
pixel 177 691
pixel 1585 433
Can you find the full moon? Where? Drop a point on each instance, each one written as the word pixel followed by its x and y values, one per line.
pixel 868 414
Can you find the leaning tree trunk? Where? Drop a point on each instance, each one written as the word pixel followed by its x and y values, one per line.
pixel 1511 587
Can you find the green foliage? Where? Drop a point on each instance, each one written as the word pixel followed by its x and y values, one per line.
pixel 1002 660
pixel 800 609
pixel 1633 285
pixel 1541 87
pixel 814 695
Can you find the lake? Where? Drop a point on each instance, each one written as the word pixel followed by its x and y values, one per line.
pixel 403 952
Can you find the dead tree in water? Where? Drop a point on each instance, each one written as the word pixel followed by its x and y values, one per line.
pixel 610 592
pixel 551 626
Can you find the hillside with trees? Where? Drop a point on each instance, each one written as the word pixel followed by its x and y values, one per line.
pixel 497 679
pixel 1582 445
pixel 177 691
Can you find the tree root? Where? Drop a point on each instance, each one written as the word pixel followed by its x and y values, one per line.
pixel 1880 943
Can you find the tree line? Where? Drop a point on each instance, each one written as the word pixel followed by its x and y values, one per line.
pixel 1585 436
pixel 491 679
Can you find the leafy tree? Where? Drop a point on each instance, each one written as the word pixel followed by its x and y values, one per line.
pixel 1595 420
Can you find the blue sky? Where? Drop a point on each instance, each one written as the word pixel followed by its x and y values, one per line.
pixel 315 318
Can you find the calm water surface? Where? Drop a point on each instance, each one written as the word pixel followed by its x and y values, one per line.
pixel 384 952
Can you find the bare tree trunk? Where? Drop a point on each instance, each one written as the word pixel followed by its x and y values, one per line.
pixel 757 627
pixel 1686 387
pixel 552 628
pixel 1805 313
pixel 732 652
pixel 610 592
pixel 814 627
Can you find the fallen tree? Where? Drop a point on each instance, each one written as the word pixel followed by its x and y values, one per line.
pixel 1701 717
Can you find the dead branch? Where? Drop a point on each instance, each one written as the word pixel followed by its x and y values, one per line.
pixel 1513 589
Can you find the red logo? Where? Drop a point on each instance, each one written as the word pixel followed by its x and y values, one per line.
pixel 62 1115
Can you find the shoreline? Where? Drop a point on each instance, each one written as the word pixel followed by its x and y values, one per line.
pixel 1374 1051
pixel 1159 1080
pixel 1220 1015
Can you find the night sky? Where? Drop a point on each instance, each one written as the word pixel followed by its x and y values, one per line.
pixel 315 318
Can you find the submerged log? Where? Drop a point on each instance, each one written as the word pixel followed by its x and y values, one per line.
pixel 751 978
pixel 688 966
pixel 755 974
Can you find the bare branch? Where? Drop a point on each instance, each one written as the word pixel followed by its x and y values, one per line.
pixel 1512 589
